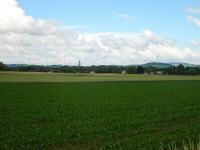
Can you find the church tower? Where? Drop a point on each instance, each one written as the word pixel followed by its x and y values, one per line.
pixel 79 63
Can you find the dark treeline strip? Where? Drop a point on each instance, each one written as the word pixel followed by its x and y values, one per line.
pixel 175 70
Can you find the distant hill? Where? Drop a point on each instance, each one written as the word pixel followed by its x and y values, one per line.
pixel 16 65
pixel 24 65
pixel 158 65
pixel 168 65
pixel 184 64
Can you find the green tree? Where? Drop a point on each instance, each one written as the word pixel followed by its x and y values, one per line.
pixel 131 70
pixel 180 69
pixel 2 66
pixel 191 71
pixel 140 69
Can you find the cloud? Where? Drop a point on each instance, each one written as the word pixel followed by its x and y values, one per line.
pixel 125 17
pixel 195 43
pixel 194 20
pixel 193 10
pixel 24 39
pixel 13 19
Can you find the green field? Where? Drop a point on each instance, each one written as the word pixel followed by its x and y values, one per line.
pixel 37 113
pixel 66 77
pixel 98 115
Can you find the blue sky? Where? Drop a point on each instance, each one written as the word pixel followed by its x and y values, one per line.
pixel 103 32
pixel 164 17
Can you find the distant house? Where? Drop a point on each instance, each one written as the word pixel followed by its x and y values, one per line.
pixel 159 73
pixel 152 73
pixel 124 72
pixel 92 72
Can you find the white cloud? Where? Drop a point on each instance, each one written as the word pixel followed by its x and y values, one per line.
pixel 13 19
pixel 24 39
pixel 125 17
pixel 194 20
pixel 193 10
pixel 195 43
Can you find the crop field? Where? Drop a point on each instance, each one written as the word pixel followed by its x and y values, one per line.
pixel 67 77
pixel 98 115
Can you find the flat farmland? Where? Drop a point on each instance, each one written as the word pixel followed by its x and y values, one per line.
pixel 97 115
pixel 67 77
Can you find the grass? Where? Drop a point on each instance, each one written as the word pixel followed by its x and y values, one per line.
pixel 98 115
pixel 190 145
pixel 66 77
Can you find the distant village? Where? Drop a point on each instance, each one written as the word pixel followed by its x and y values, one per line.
pixel 147 69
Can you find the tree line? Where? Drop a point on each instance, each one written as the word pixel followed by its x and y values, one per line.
pixel 175 70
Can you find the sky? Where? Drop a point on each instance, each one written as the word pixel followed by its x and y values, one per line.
pixel 104 32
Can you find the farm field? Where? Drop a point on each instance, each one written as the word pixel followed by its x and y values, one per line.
pixel 67 77
pixel 97 115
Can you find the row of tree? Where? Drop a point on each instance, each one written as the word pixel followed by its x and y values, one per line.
pixel 175 70
pixel 3 66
